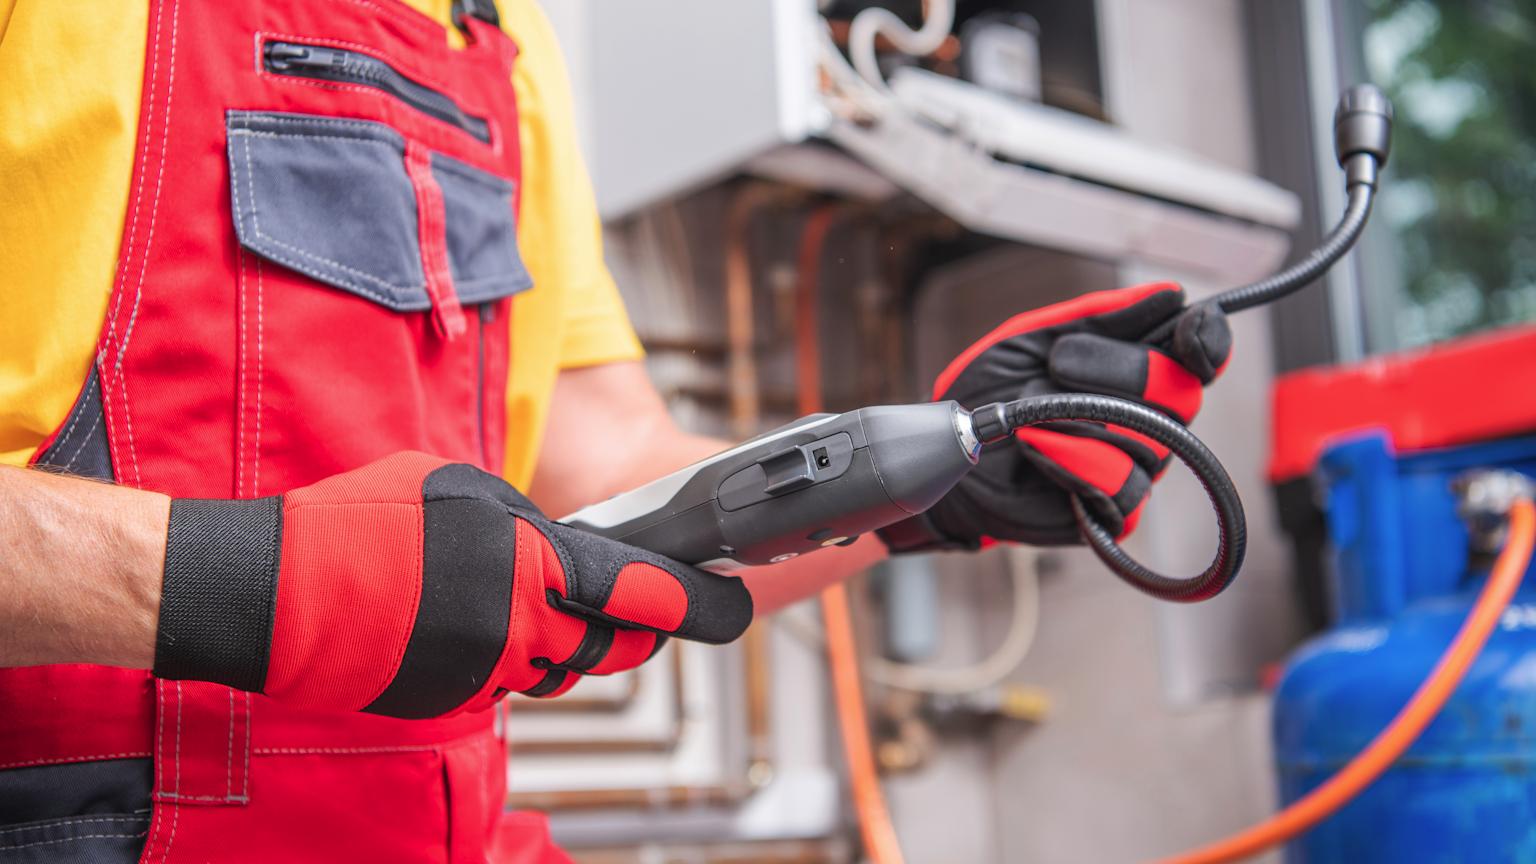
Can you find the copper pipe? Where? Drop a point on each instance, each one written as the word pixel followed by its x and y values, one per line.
pixel 842 653
pixel 807 307
pixel 754 647
pixel 746 417
pixel 741 325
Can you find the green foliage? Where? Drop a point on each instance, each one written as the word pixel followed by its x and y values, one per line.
pixel 1461 193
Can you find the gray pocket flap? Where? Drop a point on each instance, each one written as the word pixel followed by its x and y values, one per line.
pixel 482 232
pixel 330 198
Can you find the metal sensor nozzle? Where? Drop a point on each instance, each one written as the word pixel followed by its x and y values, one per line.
pixel 1362 123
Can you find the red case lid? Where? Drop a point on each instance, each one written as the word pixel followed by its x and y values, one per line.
pixel 1472 389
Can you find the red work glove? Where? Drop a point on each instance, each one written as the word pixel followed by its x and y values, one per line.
pixel 1094 344
pixel 415 587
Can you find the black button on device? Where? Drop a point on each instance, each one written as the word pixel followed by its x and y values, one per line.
pixel 820 535
pixel 787 470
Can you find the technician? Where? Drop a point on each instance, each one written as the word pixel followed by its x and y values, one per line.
pixel 308 289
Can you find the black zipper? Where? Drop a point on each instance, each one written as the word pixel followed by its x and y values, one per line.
pixel 353 67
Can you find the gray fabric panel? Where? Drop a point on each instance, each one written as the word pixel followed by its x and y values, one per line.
pixel 95 811
pixel 330 198
pixel 81 447
pixel 482 232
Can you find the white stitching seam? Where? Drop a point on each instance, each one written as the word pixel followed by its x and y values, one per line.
pixel 302 751
pixel 158 818
pixel 65 760
pixel 229 799
pixel 177 788
pixel 175 820
pixel 229 759
pixel 132 235
pixel 246 792
pixel 149 237
pixel 403 15
pixel 379 131
pixel 72 822
pixel 159 732
pixel 256 225
pixel 4 849
pixel 260 337
pixel 138 194
pixel 154 211
pixel 86 439
pixel 165 855
pixel 63 440
pixel 240 373
pixel 133 453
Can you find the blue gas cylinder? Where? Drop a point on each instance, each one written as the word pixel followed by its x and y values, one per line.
pixel 1403 582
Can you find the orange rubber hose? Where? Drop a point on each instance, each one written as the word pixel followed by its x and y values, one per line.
pixel 1427 701
pixel 868 799
pixel 842 652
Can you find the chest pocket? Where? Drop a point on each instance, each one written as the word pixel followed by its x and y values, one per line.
pixel 332 198
pixel 409 256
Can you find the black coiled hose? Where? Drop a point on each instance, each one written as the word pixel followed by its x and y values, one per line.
pixel 999 420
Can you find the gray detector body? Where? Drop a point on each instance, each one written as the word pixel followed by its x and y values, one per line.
pixel 820 481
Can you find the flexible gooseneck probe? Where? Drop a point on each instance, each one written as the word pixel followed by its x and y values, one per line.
pixel 1362 138
pixel 1362 126
pixel 1000 419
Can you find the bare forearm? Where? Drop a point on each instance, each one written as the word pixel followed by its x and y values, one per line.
pixel 80 577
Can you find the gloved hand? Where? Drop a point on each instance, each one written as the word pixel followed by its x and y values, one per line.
pixel 415 587
pixel 1020 491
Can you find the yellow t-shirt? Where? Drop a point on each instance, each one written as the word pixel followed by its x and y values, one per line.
pixel 70 75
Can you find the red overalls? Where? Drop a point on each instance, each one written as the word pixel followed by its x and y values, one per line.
pixel 315 271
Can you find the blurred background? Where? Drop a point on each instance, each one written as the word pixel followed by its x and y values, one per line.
pixel 1047 148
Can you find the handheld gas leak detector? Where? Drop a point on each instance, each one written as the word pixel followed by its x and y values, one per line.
pixel 826 479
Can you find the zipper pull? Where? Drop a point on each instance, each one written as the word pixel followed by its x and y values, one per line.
pixel 285 56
